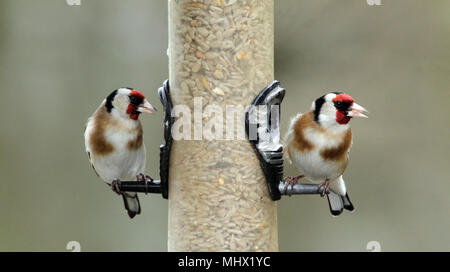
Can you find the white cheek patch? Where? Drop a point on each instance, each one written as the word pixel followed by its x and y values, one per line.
pixel 327 115
pixel 121 103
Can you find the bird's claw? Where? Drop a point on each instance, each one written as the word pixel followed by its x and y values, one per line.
pixel 325 186
pixel 148 178
pixel 291 181
pixel 144 178
pixel 140 177
pixel 115 186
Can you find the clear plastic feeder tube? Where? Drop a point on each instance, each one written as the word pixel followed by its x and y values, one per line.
pixel 220 53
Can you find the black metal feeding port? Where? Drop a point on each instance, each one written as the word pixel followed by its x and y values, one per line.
pixel 269 149
pixel 164 155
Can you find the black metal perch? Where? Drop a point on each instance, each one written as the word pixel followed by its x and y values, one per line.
pixel 146 187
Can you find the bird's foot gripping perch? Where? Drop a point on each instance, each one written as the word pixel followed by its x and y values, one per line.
pixel 115 186
pixel 324 185
pixel 291 181
pixel 142 185
pixel 144 178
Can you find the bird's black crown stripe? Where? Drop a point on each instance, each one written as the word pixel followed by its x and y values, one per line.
pixel 109 101
pixel 318 106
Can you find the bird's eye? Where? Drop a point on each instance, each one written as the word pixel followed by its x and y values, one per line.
pixel 341 105
pixel 135 100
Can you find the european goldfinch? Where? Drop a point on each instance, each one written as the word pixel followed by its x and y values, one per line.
pixel 114 142
pixel 318 142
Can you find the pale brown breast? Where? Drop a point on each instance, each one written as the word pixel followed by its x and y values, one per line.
pixel 299 140
pixel 98 143
pixel 339 152
pixel 136 143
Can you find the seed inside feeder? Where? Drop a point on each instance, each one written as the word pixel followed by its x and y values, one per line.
pixel 222 51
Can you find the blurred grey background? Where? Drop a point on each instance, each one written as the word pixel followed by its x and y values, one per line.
pixel 58 62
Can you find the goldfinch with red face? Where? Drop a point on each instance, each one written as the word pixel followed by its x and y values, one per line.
pixel 114 142
pixel 318 143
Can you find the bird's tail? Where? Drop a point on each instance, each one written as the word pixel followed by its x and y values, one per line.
pixel 338 203
pixel 347 203
pixel 132 205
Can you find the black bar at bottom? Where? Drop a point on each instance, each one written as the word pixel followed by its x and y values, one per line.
pixel 141 187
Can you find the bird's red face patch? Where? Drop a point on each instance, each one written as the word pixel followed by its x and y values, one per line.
pixel 131 110
pixel 342 118
pixel 342 102
pixel 136 98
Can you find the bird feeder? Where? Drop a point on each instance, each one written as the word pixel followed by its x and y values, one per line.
pixel 221 54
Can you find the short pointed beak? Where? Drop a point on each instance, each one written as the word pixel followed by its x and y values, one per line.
pixel 357 111
pixel 146 107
